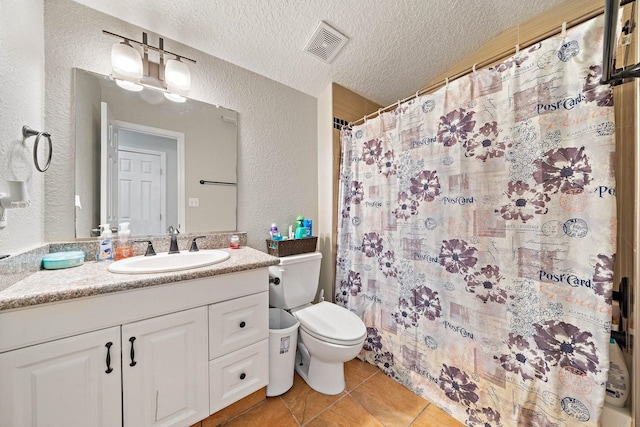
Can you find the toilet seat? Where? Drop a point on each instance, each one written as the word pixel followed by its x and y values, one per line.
pixel 331 323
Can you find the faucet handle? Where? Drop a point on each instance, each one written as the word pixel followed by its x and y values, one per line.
pixel 173 230
pixel 194 246
pixel 150 250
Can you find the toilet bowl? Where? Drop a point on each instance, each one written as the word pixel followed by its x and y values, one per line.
pixel 328 335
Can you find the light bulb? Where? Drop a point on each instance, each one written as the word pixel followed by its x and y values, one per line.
pixel 174 97
pixel 177 76
pixel 125 84
pixel 126 62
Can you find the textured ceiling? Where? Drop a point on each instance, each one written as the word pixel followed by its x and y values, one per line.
pixel 395 46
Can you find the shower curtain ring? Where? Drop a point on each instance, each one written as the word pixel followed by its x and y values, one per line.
pixel 446 82
pixel 517 49
pixel 564 29
pixel 474 68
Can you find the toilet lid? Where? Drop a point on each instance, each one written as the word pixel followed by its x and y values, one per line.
pixel 332 323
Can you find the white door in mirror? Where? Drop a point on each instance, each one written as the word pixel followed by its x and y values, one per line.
pixel 164 262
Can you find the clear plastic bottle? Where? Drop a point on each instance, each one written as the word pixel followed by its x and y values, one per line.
pixel 123 245
pixel 105 247
pixel 275 234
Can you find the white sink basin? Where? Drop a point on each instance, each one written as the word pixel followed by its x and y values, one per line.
pixel 164 262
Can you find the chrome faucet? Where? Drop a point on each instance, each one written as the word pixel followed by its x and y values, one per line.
pixel 173 247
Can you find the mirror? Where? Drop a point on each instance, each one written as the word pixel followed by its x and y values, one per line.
pixel 154 163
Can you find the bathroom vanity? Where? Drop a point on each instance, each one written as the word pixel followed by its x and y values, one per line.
pixel 86 347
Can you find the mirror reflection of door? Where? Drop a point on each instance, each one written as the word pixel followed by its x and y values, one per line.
pixel 140 176
pixel 147 184
pixel 142 189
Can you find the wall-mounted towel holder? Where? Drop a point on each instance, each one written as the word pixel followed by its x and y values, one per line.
pixel 27 132
pixel 202 181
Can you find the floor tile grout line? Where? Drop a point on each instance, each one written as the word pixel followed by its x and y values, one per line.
pixel 289 409
pixel 419 414
pixel 346 393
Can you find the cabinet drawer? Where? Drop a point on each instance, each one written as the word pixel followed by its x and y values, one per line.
pixel 238 374
pixel 237 323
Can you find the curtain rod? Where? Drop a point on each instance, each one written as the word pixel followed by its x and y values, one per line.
pixel 498 57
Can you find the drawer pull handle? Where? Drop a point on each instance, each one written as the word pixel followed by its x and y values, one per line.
pixel 109 368
pixel 242 324
pixel 133 353
pixel 243 376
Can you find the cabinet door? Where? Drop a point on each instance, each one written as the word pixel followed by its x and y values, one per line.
pixel 68 382
pixel 164 370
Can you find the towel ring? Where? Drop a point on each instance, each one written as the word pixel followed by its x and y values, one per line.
pixel 28 132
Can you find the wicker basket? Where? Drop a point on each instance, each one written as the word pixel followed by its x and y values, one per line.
pixel 282 248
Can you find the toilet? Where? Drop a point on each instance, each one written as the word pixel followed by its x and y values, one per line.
pixel 328 335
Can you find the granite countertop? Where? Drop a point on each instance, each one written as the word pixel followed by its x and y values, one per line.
pixel 92 278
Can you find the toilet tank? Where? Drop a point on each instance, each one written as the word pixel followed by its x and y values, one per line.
pixel 298 276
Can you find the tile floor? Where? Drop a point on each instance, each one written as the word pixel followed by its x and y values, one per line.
pixel 370 399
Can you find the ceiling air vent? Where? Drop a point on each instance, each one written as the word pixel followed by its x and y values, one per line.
pixel 325 42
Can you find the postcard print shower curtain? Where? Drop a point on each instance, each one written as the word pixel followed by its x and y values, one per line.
pixel 477 238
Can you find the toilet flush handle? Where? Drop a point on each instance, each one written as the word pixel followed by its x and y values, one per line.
pixel 274 279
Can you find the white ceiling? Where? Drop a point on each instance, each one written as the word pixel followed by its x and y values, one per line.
pixel 395 46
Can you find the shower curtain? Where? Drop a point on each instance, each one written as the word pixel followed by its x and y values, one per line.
pixel 477 237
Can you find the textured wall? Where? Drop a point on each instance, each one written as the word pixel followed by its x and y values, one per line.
pixel 21 103
pixel 277 151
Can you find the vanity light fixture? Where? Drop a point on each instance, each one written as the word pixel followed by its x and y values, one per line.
pixel 174 97
pixel 177 76
pixel 134 72
pixel 126 65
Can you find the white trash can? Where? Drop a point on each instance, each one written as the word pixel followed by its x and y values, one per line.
pixel 283 341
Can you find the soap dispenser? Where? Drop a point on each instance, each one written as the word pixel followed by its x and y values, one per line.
pixel 105 248
pixel 123 245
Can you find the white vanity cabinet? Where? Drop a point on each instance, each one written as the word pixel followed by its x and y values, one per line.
pixel 164 366
pixel 238 348
pixel 68 382
pixel 142 357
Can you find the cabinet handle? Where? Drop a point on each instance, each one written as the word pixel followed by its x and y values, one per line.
pixel 109 368
pixel 243 376
pixel 133 353
pixel 242 324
